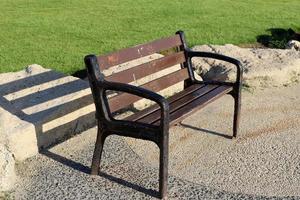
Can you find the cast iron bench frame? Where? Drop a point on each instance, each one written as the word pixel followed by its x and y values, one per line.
pixel 196 94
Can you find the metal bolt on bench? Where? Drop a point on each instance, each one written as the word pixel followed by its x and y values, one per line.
pixel 153 122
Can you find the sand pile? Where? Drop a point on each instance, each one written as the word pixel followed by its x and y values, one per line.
pixel 262 67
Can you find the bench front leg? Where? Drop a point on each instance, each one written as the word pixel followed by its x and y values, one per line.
pixel 163 167
pixel 237 95
pixel 101 135
pixel 164 152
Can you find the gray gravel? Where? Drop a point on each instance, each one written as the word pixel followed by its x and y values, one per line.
pixel 61 173
pixel 267 148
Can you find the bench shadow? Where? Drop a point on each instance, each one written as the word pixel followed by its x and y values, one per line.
pixel 84 169
pixel 206 131
pixel 48 108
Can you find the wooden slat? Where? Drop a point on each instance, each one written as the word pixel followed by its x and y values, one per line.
pixel 196 105
pixel 155 107
pixel 138 51
pixel 180 103
pixel 148 68
pixel 156 85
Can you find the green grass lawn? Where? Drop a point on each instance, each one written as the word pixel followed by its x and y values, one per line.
pixel 59 33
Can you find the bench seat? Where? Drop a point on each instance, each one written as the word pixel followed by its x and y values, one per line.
pixel 182 104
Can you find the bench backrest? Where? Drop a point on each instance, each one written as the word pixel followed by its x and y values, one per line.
pixel 143 70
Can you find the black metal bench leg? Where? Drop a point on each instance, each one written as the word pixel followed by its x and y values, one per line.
pixel 237 111
pixel 163 168
pixel 98 151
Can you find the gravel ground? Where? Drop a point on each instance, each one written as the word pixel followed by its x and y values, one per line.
pixel 263 163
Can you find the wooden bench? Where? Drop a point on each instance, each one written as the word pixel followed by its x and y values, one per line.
pixel 153 122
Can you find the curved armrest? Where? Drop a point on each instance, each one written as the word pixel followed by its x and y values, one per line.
pixel 234 61
pixel 142 92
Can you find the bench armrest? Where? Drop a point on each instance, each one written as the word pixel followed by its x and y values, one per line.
pixel 141 92
pixel 234 61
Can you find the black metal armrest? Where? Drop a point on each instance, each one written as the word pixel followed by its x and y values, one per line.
pixel 234 61
pixel 141 92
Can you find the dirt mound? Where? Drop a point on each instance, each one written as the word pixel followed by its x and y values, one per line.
pixel 262 67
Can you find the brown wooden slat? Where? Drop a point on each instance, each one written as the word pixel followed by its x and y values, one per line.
pixel 156 107
pixel 156 85
pixel 153 117
pixel 138 51
pixel 148 68
pixel 196 105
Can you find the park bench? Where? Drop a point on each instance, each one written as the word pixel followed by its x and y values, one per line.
pixel 153 122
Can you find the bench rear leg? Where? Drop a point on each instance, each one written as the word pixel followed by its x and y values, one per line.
pixel 163 168
pixel 98 151
pixel 237 112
